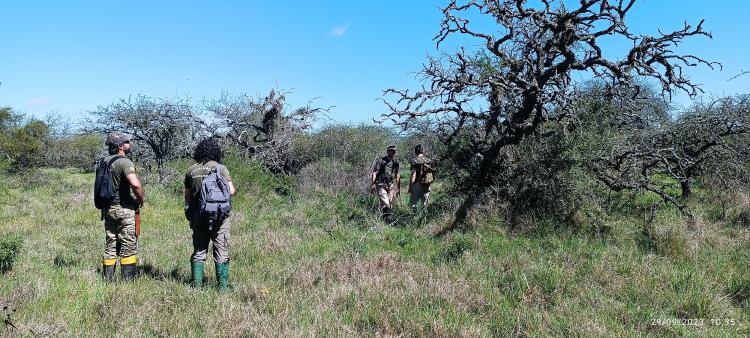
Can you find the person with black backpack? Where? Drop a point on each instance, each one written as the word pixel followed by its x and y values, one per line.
pixel 386 182
pixel 119 195
pixel 208 192
pixel 420 179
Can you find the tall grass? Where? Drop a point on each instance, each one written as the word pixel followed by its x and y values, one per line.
pixel 322 264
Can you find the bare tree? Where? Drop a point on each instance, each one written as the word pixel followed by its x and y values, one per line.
pixel 167 127
pixel 263 127
pixel 525 72
pixel 713 135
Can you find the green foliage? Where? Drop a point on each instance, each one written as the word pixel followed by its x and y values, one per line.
pixel 22 144
pixel 739 289
pixel 340 158
pixel 10 248
pixel 79 151
pixel 250 176
pixel 352 145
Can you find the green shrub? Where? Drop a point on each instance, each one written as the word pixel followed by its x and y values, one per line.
pixel 352 145
pixel 251 175
pixel 10 247
pixel 333 175
pixel 77 151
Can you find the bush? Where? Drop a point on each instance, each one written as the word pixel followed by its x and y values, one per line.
pixel 340 158
pixel 24 144
pixel 77 151
pixel 251 174
pixel 10 247
pixel 336 176
pixel 351 145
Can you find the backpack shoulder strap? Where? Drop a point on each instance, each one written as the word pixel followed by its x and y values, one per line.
pixel 114 159
pixel 101 162
pixel 217 168
pixel 383 166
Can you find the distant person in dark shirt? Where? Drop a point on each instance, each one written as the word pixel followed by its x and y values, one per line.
pixel 385 181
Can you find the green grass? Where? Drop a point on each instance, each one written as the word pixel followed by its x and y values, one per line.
pixel 324 265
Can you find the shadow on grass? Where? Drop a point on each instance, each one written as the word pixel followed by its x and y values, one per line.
pixel 437 208
pixel 61 261
pixel 367 207
pixel 148 270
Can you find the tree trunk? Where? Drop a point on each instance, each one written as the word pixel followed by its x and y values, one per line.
pixel 479 186
pixel 160 169
pixel 685 186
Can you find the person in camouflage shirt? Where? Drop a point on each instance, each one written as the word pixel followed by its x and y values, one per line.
pixel 385 181
pixel 119 218
pixel 420 179
pixel 207 155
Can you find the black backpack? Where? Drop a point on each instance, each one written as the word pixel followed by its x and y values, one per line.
pixel 385 172
pixel 104 189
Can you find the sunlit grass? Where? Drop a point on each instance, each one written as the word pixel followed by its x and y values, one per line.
pixel 323 265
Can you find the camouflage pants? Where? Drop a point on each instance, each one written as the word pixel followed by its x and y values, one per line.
pixel 419 193
pixel 202 237
pixel 119 234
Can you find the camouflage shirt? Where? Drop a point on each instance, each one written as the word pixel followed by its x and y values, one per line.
pixel 416 165
pixel 194 178
pixel 387 170
pixel 120 169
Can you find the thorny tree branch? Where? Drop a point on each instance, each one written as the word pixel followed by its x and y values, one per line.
pixel 524 74
pixel 263 128
pixel 679 151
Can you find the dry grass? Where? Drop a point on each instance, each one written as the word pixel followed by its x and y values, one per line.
pixel 313 267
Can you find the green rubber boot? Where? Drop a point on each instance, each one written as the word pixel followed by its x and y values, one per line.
pixel 197 272
pixel 222 276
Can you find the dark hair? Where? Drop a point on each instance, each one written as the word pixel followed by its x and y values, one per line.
pixel 113 149
pixel 208 150
pixel 418 149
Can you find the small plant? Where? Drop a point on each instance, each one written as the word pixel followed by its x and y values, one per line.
pixel 454 250
pixel 10 247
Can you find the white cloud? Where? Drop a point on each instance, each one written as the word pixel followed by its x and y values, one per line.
pixel 37 102
pixel 339 31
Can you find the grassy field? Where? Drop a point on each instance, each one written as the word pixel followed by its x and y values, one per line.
pixel 322 266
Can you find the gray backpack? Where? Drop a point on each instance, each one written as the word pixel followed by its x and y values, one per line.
pixel 215 200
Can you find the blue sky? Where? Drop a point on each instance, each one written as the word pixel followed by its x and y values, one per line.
pixel 68 57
